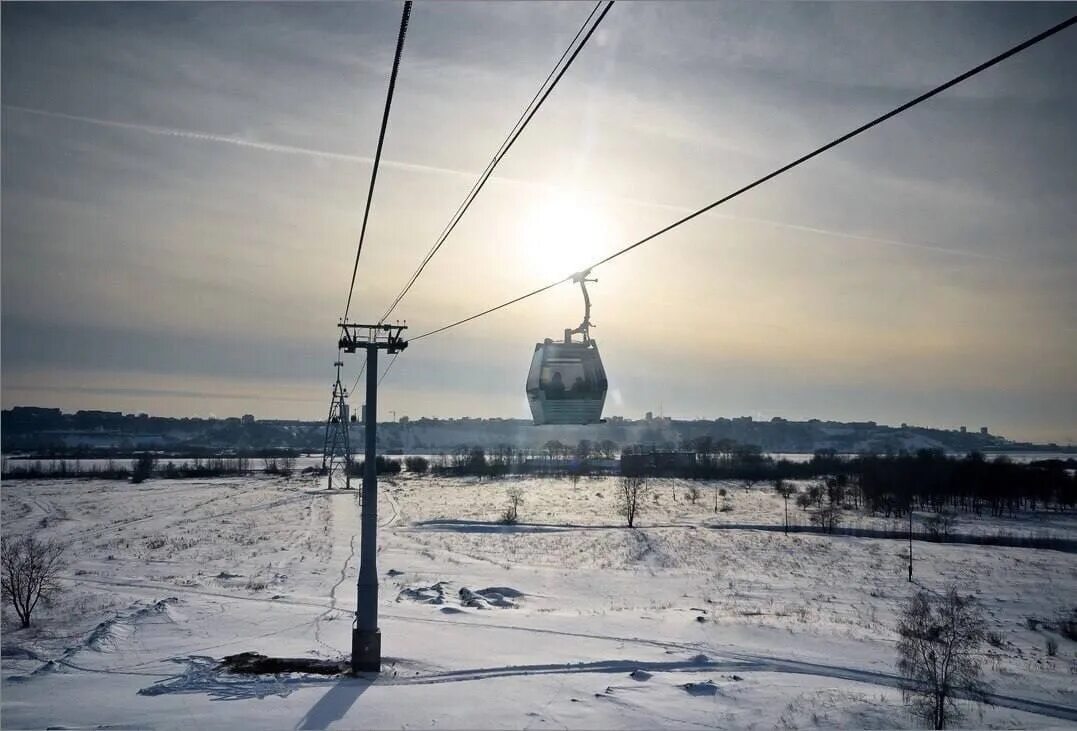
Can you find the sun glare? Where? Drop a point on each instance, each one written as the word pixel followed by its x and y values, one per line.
pixel 562 233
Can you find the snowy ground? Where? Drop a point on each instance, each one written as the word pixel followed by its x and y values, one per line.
pixel 569 620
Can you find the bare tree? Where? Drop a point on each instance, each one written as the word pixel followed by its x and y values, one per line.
pixel 554 448
pixel 693 494
pixel 30 567
pixel 940 637
pixel 516 499
pixel 142 467
pixel 286 465
pixel 786 491
pixel 827 517
pixel 630 496
pixel 584 449
pixel 941 525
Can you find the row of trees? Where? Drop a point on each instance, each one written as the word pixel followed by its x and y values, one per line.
pixel 930 480
pixel 144 466
pixel 147 466
pixel 583 449
pixel 65 469
pixel 382 466
pixel 508 460
pixel 891 485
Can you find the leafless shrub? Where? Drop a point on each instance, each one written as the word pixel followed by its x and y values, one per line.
pixel 417 465
pixel 940 637
pixel 941 525
pixel 1067 624
pixel 283 466
pixel 516 499
pixel 1052 647
pixel 30 568
pixel 142 467
pixel 827 517
pixel 693 494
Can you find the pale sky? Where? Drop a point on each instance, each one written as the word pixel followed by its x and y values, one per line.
pixel 183 186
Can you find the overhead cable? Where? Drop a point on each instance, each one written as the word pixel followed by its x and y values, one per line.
pixel 377 155
pixel 388 368
pixel 529 112
pixel 785 168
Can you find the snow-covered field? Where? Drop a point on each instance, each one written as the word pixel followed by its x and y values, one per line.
pixel 566 620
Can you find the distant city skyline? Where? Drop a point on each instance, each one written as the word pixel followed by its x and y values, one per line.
pixel 392 416
pixel 183 183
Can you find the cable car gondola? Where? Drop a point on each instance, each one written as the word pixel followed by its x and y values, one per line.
pixel 567 383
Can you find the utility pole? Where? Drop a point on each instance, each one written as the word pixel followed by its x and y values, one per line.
pixel 366 637
pixel 337 451
pixel 910 535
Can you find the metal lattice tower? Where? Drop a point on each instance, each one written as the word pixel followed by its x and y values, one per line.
pixel 337 452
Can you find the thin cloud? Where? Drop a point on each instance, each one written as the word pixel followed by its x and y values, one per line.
pixel 869 239
pixel 416 167
pixel 237 141
pixel 176 393
pixel 815 230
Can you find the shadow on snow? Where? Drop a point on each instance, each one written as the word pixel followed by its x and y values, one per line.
pixel 203 675
pixel 482 526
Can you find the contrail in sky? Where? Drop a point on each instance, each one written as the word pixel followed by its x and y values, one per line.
pixel 238 141
pixel 815 230
pixel 415 167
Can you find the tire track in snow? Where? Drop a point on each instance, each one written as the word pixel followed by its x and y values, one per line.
pixel 766 663
pixel 352 504
pixel 348 562
pixel 174 589
pixel 49 511
pixel 333 599
pixel 396 510
pixel 737 661
pixel 192 650
pixel 275 503
pixel 186 514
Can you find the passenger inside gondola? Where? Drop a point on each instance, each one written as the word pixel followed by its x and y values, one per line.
pixel 579 387
pixel 555 389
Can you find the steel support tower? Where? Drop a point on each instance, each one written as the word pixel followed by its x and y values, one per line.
pixel 366 637
pixel 337 451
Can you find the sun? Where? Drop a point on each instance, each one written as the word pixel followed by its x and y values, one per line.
pixel 561 233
